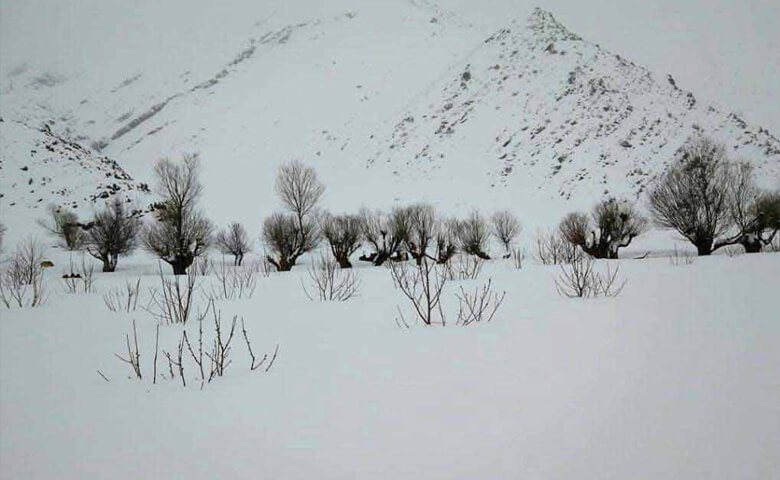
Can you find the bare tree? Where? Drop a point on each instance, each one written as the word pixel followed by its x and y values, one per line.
pixel 613 226
pixel 233 241
pixel 386 234
pixel 692 196
pixel 180 232
pixel 300 192
pixel 64 225
pixel 343 234
pixel 282 236
pixel 473 235
pixel 755 213
pixel 506 227
pixel 422 230
pixel 446 239
pixel 112 233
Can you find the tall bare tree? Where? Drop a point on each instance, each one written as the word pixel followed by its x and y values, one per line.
pixel 613 226
pixel 422 230
pixel 233 241
pixel 692 196
pixel 180 233
pixel 112 233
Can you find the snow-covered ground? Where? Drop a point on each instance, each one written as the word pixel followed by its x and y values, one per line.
pixel 674 378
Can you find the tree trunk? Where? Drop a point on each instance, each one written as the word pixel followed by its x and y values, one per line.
pixel 108 265
pixel 704 249
pixel 344 262
pixel 751 245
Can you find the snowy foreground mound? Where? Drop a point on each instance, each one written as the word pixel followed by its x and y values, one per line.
pixel 674 378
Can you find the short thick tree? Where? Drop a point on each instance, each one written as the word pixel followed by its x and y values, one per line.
pixel 755 213
pixel 112 233
pixel 180 232
pixel 343 234
pixel 385 233
pixel 233 241
pixel 613 224
pixel 422 230
pixel 473 235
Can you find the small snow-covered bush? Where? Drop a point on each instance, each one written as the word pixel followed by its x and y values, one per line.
pixel 480 305
pixel 233 282
pixel 173 301
pixel 124 299
pixel 463 267
pixel 422 285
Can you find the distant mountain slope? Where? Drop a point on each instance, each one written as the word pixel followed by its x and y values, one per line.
pixel 38 167
pixel 537 107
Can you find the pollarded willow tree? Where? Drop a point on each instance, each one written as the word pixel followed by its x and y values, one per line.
pixel 423 227
pixel 755 213
pixel 386 234
pixel 233 241
pixel 180 232
pixel 112 233
pixel 287 236
pixel 695 196
pixel 505 227
pixel 63 224
pixel 343 234
pixel 613 225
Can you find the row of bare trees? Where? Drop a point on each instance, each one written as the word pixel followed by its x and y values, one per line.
pixel 707 198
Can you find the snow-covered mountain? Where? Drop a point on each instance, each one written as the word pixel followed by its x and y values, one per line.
pixel 391 102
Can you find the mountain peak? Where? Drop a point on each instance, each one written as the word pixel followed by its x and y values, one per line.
pixel 547 28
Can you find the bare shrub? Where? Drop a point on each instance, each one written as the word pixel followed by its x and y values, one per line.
pixel 681 257
pixel 505 228
pixel 328 282
pixel 220 349
pixel 479 306
pixel 343 234
pixel 422 285
pixel 123 299
pixel 203 266
pixel 81 279
pixel 553 249
pixel 386 234
pixel 112 233
pixel 286 239
pixel 254 364
pixel 692 196
pixel 463 267
pixel 22 281
pixel 133 354
pixel 3 229
pixel 233 241
pixel 580 279
pixel 422 230
pixel 612 226
pixel 473 235
pixel 64 225
pixel 180 232
pixel 234 283
pixel 733 251
pixel 172 302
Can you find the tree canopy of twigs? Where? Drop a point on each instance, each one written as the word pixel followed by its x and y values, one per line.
pixel 613 225
pixel 180 232
pixel 505 227
pixel 112 233
pixel 343 234
pixel 233 241
pixel 63 224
